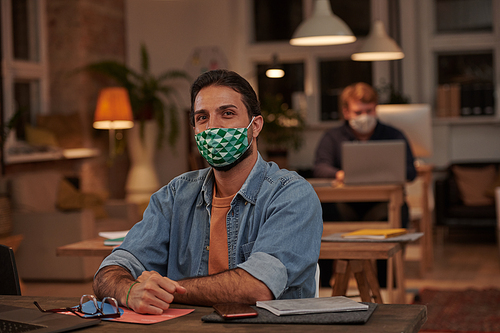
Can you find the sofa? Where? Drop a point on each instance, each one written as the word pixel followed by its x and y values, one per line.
pixel 465 196
pixel 50 212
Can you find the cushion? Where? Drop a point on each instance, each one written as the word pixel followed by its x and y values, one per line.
pixel 67 128
pixel 490 191
pixel 70 198
pixel 39 136
pixel 35 191
pixel 473 182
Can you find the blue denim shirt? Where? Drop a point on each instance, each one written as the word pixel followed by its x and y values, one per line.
pixel 274 228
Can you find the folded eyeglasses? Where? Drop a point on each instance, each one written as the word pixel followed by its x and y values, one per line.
pixel 89 307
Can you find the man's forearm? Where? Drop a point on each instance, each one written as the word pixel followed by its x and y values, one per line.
pixel 233 286
pixel 113 281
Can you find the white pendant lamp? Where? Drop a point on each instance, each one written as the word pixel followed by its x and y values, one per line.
pixel 322 28
pixel 378 46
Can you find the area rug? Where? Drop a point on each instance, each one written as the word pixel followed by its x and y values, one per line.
pixel 461 311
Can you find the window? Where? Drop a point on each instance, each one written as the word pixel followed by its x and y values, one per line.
pixel 335 75
pixel 325 70
pixel 459 16
pixel 276 20
pixel 24 75
pixel 287 86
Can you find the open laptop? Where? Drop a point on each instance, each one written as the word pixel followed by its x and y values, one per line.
pixel 33 320
pixel 374 162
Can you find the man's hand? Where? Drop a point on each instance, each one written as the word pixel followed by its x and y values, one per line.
pixel 153 294
pixel 339 176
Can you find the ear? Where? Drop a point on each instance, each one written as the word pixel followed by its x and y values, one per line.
pixel 345 113
pixel 257 125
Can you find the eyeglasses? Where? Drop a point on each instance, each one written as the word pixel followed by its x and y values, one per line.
pixel 89 307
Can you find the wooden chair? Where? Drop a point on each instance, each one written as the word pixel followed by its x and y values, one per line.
pixel 8 274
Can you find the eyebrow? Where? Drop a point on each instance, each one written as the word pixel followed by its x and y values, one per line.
pixel 220 108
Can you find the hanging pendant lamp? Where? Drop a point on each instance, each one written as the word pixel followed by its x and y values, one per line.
pixel 276 70
pixel 378 46
pixel 322 28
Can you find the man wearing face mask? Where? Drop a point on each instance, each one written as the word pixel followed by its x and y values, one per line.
pixel 239 231
pixel 358 102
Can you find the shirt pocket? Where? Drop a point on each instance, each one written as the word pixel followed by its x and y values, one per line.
pixel 246 250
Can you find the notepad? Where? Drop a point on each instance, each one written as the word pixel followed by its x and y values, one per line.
pixel 285 307
pixel 113 237
pixel 114 241
pixel 374 233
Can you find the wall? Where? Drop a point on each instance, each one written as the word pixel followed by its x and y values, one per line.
pixel 171 30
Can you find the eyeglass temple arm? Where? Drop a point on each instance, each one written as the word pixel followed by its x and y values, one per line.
pixel 51 310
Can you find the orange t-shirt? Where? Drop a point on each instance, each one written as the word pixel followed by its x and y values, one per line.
pixel 218 253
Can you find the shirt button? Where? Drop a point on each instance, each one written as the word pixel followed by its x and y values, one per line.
pixel 246 203
pixel 207 248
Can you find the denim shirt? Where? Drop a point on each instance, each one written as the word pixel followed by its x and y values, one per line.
pixel 274 228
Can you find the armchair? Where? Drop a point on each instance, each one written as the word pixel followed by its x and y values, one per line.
pixel 37 214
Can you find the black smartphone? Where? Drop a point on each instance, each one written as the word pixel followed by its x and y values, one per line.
pixel 235 310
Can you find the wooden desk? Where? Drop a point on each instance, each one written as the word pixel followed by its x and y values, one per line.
pixel 87 248
pixel 329 250
pixel 386 318
pixel 424 172
pixel 393 194
pixel 356 257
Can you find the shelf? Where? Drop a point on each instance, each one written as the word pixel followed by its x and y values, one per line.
pixel 64 154
pixel 471 120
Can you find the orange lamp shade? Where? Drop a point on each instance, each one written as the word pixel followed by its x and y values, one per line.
pixel 113 109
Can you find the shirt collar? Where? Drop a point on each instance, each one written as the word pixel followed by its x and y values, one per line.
pixel 250 189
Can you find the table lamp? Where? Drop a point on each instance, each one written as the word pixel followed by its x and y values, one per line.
pixel 113 112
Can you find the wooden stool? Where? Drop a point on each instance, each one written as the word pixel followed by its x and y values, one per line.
pixel 356 257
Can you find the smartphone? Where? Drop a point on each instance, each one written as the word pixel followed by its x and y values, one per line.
pixel 235 310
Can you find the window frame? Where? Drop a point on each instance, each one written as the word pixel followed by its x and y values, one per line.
pixel 13 69
pixel 257 53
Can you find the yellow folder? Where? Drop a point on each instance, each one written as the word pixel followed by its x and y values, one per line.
pixel 375 233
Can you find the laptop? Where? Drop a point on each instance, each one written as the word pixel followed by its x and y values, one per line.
pixel 27 320
pixel 374 162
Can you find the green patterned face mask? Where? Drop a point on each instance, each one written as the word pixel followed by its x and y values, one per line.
pixel 223 146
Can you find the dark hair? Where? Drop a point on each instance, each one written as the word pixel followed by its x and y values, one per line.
pixel 230 79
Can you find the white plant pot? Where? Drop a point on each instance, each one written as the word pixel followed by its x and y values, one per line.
pixel 142 179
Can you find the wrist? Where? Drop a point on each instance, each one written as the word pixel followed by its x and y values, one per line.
pixel 127 297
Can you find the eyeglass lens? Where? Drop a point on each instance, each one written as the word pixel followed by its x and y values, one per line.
pixel 90 306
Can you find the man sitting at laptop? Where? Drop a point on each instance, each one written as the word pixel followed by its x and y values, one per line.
pixel 358 102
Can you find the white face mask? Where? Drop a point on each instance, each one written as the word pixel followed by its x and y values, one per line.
pixel 364 123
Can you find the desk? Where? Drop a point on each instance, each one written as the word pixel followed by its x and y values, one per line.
pixel 356 257
pixel 424 172
pixel 87 248
pixel 329 250
pixel 393 194
pixel 386 318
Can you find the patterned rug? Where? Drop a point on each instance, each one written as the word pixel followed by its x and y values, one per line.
pixel 461 311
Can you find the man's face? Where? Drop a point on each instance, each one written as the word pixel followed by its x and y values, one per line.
pixel 219 107
pixel 356 108
pixel 222 107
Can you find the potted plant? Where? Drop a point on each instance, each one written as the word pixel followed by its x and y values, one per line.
pixel 283 128
pixel 146 91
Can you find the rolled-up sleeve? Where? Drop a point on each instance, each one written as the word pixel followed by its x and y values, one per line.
pixel 268 269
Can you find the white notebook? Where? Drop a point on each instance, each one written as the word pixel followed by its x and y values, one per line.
pixel 311 305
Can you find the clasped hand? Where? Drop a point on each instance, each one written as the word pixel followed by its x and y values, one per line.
pixel 153 294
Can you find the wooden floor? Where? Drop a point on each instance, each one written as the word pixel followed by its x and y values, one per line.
pixel 463 259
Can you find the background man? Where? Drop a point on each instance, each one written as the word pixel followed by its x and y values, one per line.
pixel 240 231
pixel 358 102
